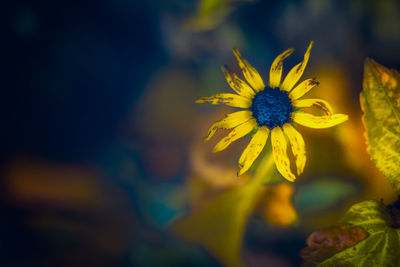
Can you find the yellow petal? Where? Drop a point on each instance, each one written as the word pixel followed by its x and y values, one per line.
pixel 251 74
pixel 232 100
pixel 298 146
pixel 306 103
pixel 237 84
pixel 275 73
pixel 303 88
pixel 318 122
pixel 295 73
pixel 235 134
pixel 230 121
pixel 281 159
pixel 254 149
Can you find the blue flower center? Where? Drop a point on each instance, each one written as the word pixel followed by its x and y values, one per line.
pixel 272 107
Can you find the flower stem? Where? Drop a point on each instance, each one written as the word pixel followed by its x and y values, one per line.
pixel 265 168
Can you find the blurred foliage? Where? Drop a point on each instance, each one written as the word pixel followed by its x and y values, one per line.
pixel 382 245
pixel 219 225
pixel 328 191
pixel 380 104
pixel 345 144
pixel 211 13
pixel 221 207
pixel 380 101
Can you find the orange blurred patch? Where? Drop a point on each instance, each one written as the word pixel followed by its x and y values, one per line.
pixel 73 207
pixel 275 205
pixel 39 182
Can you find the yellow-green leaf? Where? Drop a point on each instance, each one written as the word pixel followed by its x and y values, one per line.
pixel 380 248
pixel 380 102
pixel 220 224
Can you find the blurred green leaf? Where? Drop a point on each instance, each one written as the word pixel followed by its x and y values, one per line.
pixel 328 191
pixel 380 248
pixel 219 225
pixel 380 102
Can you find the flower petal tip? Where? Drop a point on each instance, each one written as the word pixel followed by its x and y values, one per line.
pixel 236 52
pixel 291 179
pixel 241 171
pixel 219 147
pixel 314 82
pixel 342 117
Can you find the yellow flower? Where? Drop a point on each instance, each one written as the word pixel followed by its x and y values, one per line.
pixel 270 109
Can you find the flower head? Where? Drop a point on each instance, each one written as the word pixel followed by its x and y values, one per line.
pixel 270 111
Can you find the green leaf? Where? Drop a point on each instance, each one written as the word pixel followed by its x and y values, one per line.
pixel 380 102
pixel 380 248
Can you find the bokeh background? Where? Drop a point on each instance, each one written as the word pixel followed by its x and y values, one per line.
pixel 101 139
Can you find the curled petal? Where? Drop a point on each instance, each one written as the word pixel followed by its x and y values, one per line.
pixel 279 147
pixel 298 146
pixel 318 122
pixel 235 134
pixel 232 100
pixel 230 121
pixel 254 149
pixel 237 84
pixel 303 88
pixel 295 73
pixel 275 73
pixel 250 73
pixel 319 103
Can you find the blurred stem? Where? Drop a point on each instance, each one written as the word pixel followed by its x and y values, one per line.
pixel 265 168
pixel 220 224
pixel 252 191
